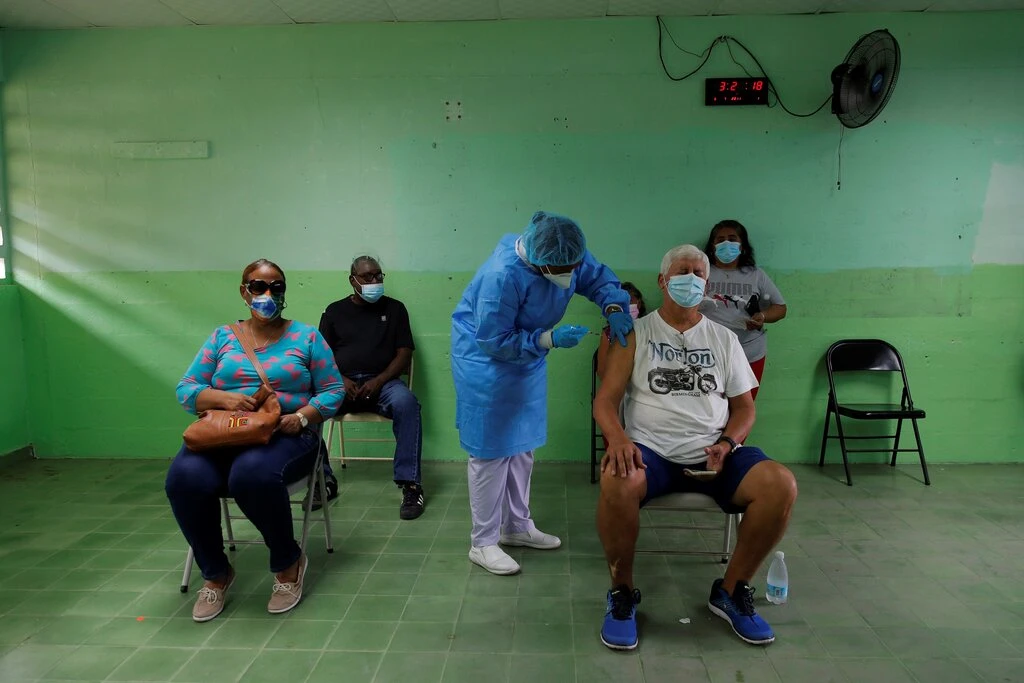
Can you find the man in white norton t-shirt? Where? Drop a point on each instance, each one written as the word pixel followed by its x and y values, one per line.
pixel 684 386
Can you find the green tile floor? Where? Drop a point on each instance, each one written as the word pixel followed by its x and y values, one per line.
pixel 891 581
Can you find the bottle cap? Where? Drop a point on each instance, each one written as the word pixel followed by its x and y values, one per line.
pixel 779 554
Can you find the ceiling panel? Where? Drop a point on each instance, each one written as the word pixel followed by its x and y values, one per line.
pixel 650 8
pixel 444 10
pixel 975 5
pixel 224 12
pixel 769 6
pixel 333 11
pixel 131 13
pixel 123 12
pixel 875 5
pixel 546 9
pixel 37 14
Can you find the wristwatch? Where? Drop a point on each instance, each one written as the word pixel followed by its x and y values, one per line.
pixel 613 308
pixel 305 422
pixel 732 444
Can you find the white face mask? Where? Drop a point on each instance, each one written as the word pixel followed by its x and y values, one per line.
pixel 563 281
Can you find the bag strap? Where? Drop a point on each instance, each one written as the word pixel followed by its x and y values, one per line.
pixel 249 351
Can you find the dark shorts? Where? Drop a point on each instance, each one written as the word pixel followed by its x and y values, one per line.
pixel 665 477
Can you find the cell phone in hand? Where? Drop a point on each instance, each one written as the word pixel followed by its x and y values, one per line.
pixel 703 475
pixel 753 305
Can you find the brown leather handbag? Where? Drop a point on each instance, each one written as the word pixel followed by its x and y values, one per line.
pixel 234 428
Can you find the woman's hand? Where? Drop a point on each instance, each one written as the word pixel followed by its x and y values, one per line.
pixel 756 321
pixel 622 458
pixel 620 324
pixel 289 424
pixel 230 400
pixel 568 336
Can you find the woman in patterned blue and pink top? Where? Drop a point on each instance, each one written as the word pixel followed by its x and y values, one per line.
pixel 301 368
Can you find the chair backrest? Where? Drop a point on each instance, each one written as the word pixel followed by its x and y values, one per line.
pixel 412 360
pixel 865 355
pixel 873 355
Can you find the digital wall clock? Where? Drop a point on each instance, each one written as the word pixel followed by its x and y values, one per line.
pixel 724 92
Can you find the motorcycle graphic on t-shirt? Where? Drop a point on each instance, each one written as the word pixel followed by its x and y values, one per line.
pixel 689 378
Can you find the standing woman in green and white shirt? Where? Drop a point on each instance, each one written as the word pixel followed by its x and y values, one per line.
pixel 740 295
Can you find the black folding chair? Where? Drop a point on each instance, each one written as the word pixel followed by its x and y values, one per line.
pixel 596 439
pixel 869 355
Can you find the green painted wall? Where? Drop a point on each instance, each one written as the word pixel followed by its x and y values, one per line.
pixel 328 140
pixel 14 426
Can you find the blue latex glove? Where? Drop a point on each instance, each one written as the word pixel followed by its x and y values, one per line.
pixel 568 336
pixel 620 324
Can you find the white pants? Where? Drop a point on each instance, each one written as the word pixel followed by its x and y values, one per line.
pixel 499 497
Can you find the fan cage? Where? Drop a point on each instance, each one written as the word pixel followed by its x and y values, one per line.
pixel 876 53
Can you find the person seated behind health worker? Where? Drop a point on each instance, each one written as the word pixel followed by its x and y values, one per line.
pixel 502 331
pixel 637 309
pixel 685 386
pixel 301 370
pixel 372 343
pixel 740 295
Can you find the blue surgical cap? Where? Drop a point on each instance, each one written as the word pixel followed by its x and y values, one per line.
pixel 553 240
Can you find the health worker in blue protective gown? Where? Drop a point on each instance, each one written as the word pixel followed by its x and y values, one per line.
pixel 502 331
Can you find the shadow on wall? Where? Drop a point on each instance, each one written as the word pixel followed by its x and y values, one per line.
pixel 121 340
pixel 102 402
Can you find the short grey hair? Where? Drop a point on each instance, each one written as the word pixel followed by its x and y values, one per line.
pixel 684 252
pixel 364 258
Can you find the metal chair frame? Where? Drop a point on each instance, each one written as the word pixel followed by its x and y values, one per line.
pixel 306 484
pixel 339 422
pixel 869 355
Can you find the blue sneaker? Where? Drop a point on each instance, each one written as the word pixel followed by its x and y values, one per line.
pixel 738 610
pixel 619 629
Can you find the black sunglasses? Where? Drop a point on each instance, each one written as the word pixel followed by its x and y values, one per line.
pixel 258 287
pixel 370 278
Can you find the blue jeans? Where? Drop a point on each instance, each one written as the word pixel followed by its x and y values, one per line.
pixel 398 403
pixel 257 477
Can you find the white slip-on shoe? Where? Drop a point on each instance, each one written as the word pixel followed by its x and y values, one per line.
pixel 534 538
pixel 493 559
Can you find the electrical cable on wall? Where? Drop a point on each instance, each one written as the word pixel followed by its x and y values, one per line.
pixel 839 156
pixel 661 53
pixel 706 55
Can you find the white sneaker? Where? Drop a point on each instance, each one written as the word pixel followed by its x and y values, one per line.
pixel 493 559
pixel 534 538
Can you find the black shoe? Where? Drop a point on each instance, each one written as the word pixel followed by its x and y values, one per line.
pixel 412 501
pixel 331 484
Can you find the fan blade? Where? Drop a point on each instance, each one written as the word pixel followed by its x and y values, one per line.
pixel 864 83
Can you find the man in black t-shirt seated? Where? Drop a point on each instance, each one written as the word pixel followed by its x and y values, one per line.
pixel 372 343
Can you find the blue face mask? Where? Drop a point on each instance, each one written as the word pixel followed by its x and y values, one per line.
pixel 371 293
pixel 727 252
pixel 267 307
pixel 686 290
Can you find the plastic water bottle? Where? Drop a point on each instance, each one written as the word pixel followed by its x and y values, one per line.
pixel 778 580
